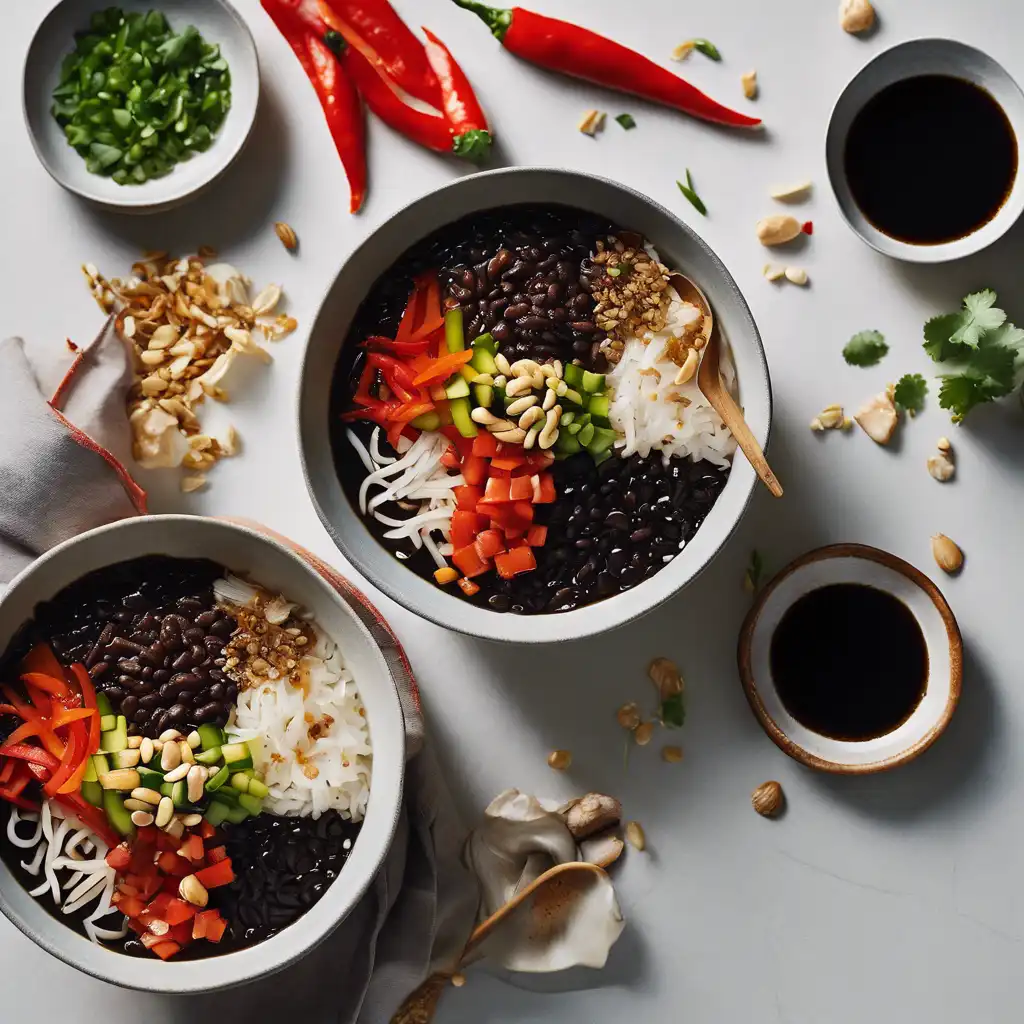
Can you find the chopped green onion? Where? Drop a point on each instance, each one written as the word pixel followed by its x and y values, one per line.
pixel 695 200
pixel 626 120
pixel 707 48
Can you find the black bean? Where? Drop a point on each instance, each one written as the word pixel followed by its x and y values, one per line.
pixel 210 712
pixel 178 713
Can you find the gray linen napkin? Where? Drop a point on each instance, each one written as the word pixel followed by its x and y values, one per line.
pixel 60 475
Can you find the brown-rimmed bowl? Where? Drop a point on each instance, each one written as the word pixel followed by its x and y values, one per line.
pixel 853 563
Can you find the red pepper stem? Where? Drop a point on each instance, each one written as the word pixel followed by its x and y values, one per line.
pixel 497 19
pixel 473 145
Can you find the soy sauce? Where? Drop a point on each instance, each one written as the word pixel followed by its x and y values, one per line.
pixel 849 661
pixel 931 159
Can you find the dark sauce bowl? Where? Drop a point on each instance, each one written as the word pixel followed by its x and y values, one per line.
pixel 917 58
pixel 679 247
pixel 278 568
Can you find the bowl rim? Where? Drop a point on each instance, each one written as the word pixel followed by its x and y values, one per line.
pixel 174 197
pixel 779 737
pixel 980 238
pixel 581 622
pixel 255 962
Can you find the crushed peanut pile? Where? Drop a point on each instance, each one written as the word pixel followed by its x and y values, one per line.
pixel 186 321
pixel 631 298
pixel 269 643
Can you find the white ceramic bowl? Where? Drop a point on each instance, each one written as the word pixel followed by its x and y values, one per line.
pixel 853 563
pixel 218 22
pixel 278 568
pixel 908 60
pixel 680 248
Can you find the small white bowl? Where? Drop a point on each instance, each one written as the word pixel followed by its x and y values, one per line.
pixel 218 22
pixel 853 563
pixel 278 568
pixel 909 60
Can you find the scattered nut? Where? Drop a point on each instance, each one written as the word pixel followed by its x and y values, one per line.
pixel 559 760
pixel 947 555
pixel 943 444
pixel 592 123
pixel 830 418
pixel 666 676
pixel 941 466
pixel 856 15
pixel 591 814
pixel 683 50
pixel 635 835
pixel 287 235
pixel 778 229
pixel 791 193
pixel 878 417
pixel 767 799
pixel 673 755
pixel 458 980
pixel 193 483
pixel 628 716
pixel 772 272
pixel 796 275
pixel 643 733
pixel 749 83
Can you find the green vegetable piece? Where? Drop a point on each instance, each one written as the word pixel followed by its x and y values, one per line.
pixel 216 814
pixel 92 792
pixel 980 315
pixel 593 382
pixel 240 781
pixel 215 782
pixel 179 793
pixel 688 191
pixel 100 763
pixel 210 736
pixel 598 407
pixel 235 752
pixel 225 795
pixel 486 341
pixel 910 392
pixel 483 395
pixel 116 813
pixel 672 712
pixel 460 411
pixel 116 739
pixel 601 442
pixel 457 386
pixel 586 435
pixel 251 803
pixel 866 348
pixel 108 723
pixel 566 443
pixel 236 815
pixel 567 418
pixel 626 120
pixel 708 48
pixel 573 428
pixel 209 757
pixel 454 339
pixel 573 375
pixel 150 779
pixel 91 774
pixel 258 789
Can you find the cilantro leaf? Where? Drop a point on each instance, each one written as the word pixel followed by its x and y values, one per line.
pixel 937 333
pixel 627 121
pixel 910 391
pixel 961 392
pixel 672 712
pixel 981 315
pixel 865 349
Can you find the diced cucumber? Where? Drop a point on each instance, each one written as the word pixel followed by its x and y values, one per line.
pixel 592 382
pixel 454 338
pixel 251 803
pixel 255 746
pixel 101 764
pixel 218 780
pixel 103 704
pixel 573 428
pixel 108 723
pixel 150 779
pixel 125 759
pixel 90 771
pixel 567 418
pixel 258 789
pixel 240 781
pixel 573 399
pixel 586 435
pixel 486 341
pixel 116 813
pixel 573 375
pixel 236 815
pixel 210 736
pixel 115 740
pixel 179 793
pixel 426 421
pixel 583 419
pixel 602 457
pixel 166 788
pixel 463 424
pixel 484 395
pixel 216 813
pixel 457 386
pixel 566 443
pixel 233 752
pixel 602 441
pixel 92 791
pixel 226 795
pixel 208 757
pixel 598 408
pixel 483 358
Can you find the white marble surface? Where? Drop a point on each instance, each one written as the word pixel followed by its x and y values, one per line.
pixel 891 898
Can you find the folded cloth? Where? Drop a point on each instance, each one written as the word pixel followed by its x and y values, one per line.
pixel 59 476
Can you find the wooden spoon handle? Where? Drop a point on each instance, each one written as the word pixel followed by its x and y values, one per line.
pixel 724 405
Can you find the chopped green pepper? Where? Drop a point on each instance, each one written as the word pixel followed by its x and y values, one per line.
pixel 454 338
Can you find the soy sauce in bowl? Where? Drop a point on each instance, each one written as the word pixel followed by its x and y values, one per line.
pixel 849 661
pixel 931 159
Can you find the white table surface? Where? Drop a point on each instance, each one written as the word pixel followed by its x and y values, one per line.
pixel 890 898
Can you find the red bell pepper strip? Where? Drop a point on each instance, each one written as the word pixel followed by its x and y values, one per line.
pixel 375 29
pixel 300 24
pixel 28 713
pixel 7 770
pixel 42 659
pixel 89 816
pixel 377 342
pixel 55 687
pixel 84 680
pixel 432 319
pixel 74 757
pixel 471 136
pixel 34 755
pixel 395 372
pixel 571 50
pixel 443 368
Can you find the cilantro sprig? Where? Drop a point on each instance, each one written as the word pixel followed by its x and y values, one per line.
pixel 910 392
pixel 982 351
pixel 866 348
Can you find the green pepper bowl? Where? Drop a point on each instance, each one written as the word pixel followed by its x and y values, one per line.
pixel 218 23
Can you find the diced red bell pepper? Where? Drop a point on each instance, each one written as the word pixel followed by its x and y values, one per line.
pixel 215 928
pixel 451 458
pixel 465 526
pixel 508 458
pixel 193 848
pixel 485 445
pixel 504 517
pixel 178 911
pixel 489 543
pixel 217 874
pixel 119 857
pixel 524 510
pixel 149 940
pixel 142 856
pixel 158 906
pixel 181 933
pixel 474 469
pixel 467 496
pixel 547 490
pixel 514 562
pixel 166 842
pixel 521 489
pixel 536 536
pixel 468 587
pixel 469 562
pixel 173 864
pixel 216 855
pixel 497 490
pixel 165 950
pixel 206 830
pixel 130 906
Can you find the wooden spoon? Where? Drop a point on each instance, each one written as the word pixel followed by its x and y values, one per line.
pixel 709 380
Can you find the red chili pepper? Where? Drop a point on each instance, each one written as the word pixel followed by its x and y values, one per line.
pixel 471 136
pixel 375 29
pixel 807 227
pixel 562 46
pixel 302 27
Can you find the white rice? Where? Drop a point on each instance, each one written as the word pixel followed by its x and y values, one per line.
pixel 309 774
pixel 653 413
